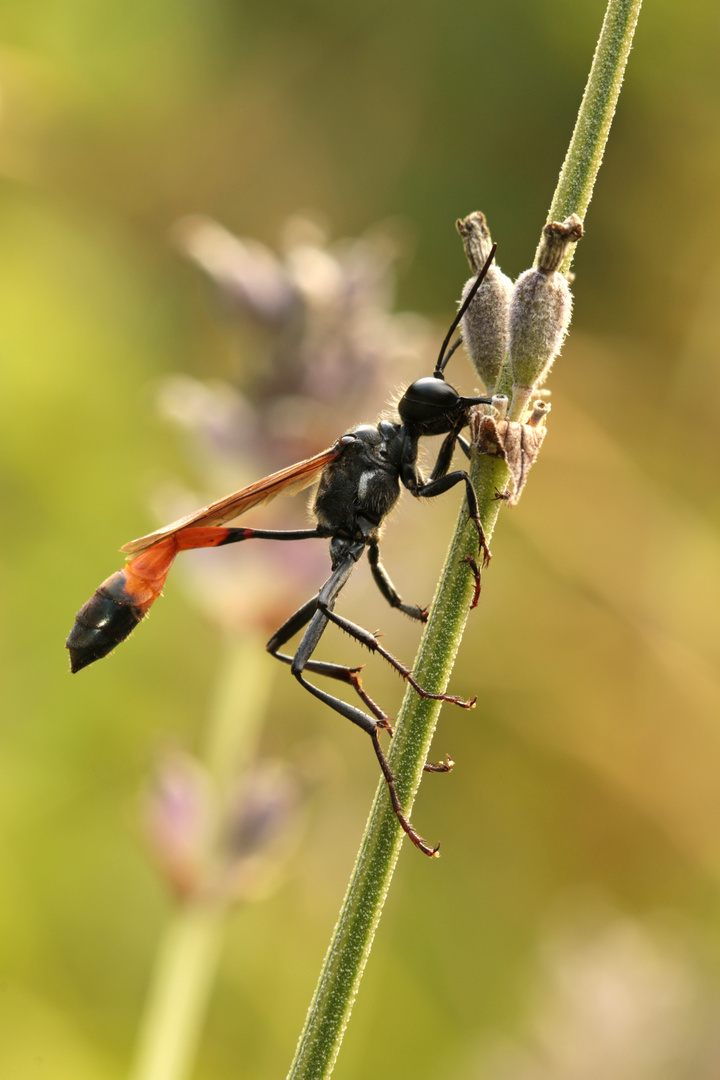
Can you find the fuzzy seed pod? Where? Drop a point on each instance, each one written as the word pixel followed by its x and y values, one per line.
pixel 540 309
pixel 485 325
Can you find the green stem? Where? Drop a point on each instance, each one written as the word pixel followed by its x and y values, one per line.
pixel 177 1000
pixel 344 964
pixel 597 108
pixel 188 954
pixel 352 938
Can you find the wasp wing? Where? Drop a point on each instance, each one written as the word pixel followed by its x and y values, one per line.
pixel 290 480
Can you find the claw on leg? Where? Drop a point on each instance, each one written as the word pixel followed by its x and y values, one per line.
pixel 431 852
pixel 476 572
pixel 440 766
pixel 487 554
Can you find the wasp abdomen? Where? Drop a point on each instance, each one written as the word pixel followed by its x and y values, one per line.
pixel 118 605
pixel 101 624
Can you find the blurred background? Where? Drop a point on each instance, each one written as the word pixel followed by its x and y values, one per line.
pixel 571 928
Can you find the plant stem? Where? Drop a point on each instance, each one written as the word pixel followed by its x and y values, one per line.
pixel 352 938
pixel 188 954
pixel 597 108
pixel 177 999
pixel 383 839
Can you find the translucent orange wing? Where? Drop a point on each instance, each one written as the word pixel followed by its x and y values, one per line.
pixel 290 480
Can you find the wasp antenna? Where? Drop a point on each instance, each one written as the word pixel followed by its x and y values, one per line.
pixel 438 373
pixel 442 358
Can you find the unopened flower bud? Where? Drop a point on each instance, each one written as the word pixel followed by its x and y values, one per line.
pixel 540 311
pixel 485 325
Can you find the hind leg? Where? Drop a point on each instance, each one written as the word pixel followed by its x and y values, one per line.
pixel 314 616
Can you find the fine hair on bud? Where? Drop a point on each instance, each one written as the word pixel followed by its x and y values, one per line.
pixel 540 308
pixel 485 324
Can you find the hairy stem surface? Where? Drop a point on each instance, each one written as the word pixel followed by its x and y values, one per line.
pixel 383 840
pixel 597 109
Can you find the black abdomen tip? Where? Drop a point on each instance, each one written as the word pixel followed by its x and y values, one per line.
pixel 99 626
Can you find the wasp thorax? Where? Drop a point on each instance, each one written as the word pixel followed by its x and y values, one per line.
pixel 485 324
pixel 540 311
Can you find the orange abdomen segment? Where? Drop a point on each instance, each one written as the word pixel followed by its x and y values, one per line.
pixel 145 576
pixel 118 605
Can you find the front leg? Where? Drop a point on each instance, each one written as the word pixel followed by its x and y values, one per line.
pixel 430 488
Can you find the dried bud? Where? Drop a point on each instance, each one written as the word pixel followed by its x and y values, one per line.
pixel 537 417
pixel 540 311
pixel 517 444
pixel 485 325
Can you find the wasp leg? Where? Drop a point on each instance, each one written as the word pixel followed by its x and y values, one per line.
pixel 351 676
pixel 302 661
pixel 371 642
pixel 386 587
pixel 441 481
pixel 430 488
pixel 417 840
pixel 478 583
pixel 445 455
pixel 464 445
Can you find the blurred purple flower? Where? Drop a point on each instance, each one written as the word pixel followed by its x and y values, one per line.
pixel 247 273
pixel 260 821
pixel 334 339
pixel 218 847
pixel 179 815
pixel 334 351
pixel 260 809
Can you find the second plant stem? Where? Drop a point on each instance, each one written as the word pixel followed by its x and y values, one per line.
pixel 187 957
